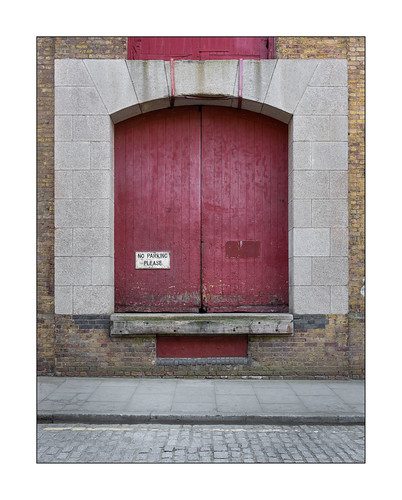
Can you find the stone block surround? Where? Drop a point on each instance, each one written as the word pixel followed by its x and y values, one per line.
pixel 311 96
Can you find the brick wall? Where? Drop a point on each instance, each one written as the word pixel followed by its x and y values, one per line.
pixel 314 351
pixel 311 47
pixel 352 49
pixel 84 348
pixel 88 47
pixel 356 70
pixel 45 205
pixel 49 49
pixel 332 346
pixel 318 349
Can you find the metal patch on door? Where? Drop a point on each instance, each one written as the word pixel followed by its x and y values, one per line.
pixel 152 260
pixel 242 249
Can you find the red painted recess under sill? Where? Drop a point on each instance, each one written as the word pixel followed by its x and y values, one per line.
pixel 201 346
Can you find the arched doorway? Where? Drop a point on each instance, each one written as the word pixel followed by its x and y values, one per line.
pixel 201 212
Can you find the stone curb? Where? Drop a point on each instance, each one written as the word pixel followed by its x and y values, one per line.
pixel 181 419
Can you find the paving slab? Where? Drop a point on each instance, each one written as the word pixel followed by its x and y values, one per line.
pixel 242 401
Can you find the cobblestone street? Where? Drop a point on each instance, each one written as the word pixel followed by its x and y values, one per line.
pixel 156 443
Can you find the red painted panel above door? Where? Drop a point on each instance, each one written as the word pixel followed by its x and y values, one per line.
pixel 199 48
pixel 244 212
pixel 157 209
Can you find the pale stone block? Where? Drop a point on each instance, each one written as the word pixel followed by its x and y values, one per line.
pixel 255 107
pixel 93 242
pixel 63 184
pixel 291 130
pixel 300 271
pixel 291 243
pixel 101 155
pixel 338 184
pixel 300 215
pixel 289 82
pixel 93 300
pixel 330 73
pixel 206 78
pixel 339 300
pixel 126 113
pixel 290 152
pixel 323 101
pixel 338 128
pixel 311 299
pixel 92 128
pixel 71 72
pixel 330 156
pixel 291 297
pixel 113 82
pixel 330 213
pixel 149 106
pixel 151 83
pixel 310 184
pixel 290 194
pixel 203 101
pixel 301 156
pixel 72 271
pixel 92 184
pixel 78 101
pixel 63 299
pixel 102 271
pixel 339 241
pixel 63 128
pixel 257 77
pixel 276 113
pixel 329 271
pixel 72 213
pixel 72 155
pixel 168 74
pixel 311 128
pixel 308 242
pixel 63 242
pixel 102 213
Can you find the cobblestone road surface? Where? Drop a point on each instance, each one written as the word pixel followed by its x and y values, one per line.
pixel 199 444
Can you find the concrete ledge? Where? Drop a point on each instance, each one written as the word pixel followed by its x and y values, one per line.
pixel 201 324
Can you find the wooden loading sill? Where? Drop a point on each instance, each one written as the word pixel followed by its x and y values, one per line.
pixel 123 324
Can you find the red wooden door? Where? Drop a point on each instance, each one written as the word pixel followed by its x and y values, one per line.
pixel 244 212
pixel 157 209
pixel 226 235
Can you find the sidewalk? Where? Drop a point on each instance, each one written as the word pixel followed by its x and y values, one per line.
pixel 195 401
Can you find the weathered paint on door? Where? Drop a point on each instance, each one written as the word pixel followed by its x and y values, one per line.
pixel 198 48
pixel 208 185
pixel 157 209
pixel 244 212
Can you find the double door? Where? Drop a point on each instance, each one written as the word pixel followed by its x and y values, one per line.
pixel 201 212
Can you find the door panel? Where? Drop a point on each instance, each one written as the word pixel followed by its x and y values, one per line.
pixel 244 212
pixel 157 209
pixel 210 187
